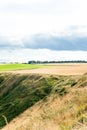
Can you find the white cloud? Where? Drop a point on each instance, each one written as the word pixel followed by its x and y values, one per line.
pixel 24 55
pixel 26 17
pixel 23 18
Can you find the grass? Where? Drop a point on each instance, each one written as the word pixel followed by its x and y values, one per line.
pixel 61 100
pixel 9 67
pixel 18 92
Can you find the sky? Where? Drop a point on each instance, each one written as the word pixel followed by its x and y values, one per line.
pixel 43 30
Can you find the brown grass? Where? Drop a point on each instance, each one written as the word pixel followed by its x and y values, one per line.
pixel 55 113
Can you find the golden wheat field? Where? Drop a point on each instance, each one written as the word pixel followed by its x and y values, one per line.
pixel 58 69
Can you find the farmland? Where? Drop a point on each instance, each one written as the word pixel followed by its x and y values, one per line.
pixel 9 67
pixel 58 69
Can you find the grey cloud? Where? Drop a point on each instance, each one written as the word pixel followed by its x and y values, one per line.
pixel 4 43
pixel 7 44
pixel 42 41
pixel 57 42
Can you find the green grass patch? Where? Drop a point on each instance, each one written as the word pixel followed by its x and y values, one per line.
pixel 9 67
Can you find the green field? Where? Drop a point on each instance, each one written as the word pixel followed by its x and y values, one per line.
pixel 9 67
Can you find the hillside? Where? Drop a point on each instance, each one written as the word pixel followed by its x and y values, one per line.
pixel 43 102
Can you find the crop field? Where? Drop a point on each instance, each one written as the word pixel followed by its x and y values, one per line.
pixel 58 69
pixel 11 67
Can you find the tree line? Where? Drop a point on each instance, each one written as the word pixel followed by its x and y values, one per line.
pixel 47 62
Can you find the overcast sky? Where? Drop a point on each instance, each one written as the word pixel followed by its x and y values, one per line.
pixel 43 30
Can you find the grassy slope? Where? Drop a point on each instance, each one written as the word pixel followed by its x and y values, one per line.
pixel 63 100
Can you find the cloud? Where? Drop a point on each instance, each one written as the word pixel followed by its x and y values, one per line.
pixel 4 43
pixel 24 55
pixel 55 25
pixel 8 44
pixel 47 41
pixel 26 6
pixel 27 17
pixel 56 42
